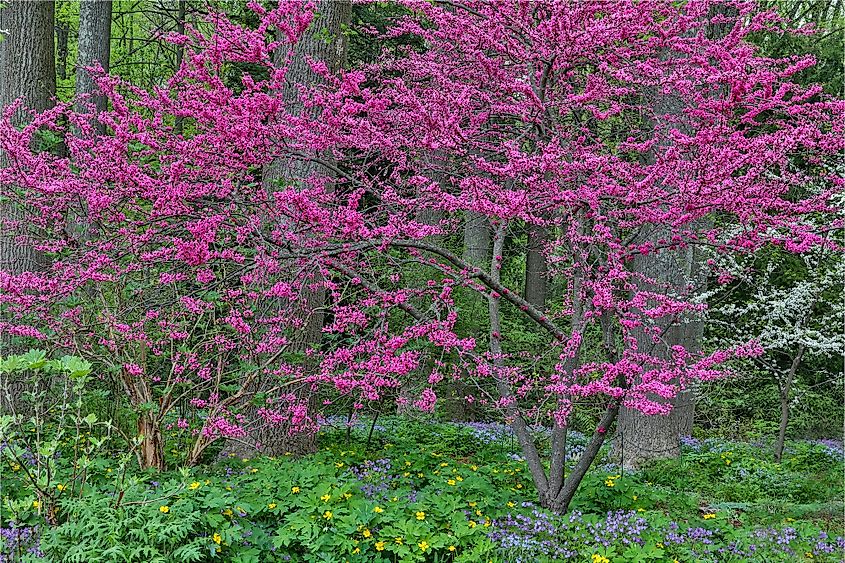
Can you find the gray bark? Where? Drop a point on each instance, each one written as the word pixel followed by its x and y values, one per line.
pixel 476 239
pixel 62 33
pixel 27 71
pixel 94 47
pixel 536 268
pixel 641 438
pixel 323 41
pixel 27 68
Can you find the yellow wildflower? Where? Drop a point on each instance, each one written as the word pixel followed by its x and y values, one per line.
pixel 709 516
pixel 294 490
pixel 379 546
pixel 194 486
pixel 398 540
pixel 451 482
pixel 325 497
pixel 423 545
pixel 378 510
pixel 327 514
pixel 35 504
pixel 60 487
pixel 216 538
pixel 366 533
pixel 420 515
pixel 597 558
pixel 271 506
pixel 164 509
pixel 452 548
pixel 472 524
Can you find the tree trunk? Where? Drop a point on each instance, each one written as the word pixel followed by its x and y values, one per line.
pixel 785 397
pixel 639 437
pixel 152 445
pixel 322 41
pixel 28 72
pixel 536 268
pixel 180 51
pixel 94 47
pixel 476 239
pixel 62 33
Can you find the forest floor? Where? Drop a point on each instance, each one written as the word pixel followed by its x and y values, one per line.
pixel 440 492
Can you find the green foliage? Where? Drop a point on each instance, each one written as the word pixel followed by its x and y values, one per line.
pixel 719 472
pixel 435 486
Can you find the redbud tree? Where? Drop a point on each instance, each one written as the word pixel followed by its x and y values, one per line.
pixel 184 277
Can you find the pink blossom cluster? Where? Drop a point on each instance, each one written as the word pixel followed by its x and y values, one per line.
pixel 597 121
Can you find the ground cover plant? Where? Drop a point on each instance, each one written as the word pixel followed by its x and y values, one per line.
pixel 421 281
pixel 398 500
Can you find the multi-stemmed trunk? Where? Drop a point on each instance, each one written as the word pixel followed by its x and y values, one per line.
pixel 555 489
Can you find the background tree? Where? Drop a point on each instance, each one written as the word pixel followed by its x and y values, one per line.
pixel 94 50
pixel 793 307
pixel 27 72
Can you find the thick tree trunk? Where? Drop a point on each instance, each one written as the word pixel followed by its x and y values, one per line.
pixel 323 41
pixel 94 47
pixel 27 71
pixel 536 268
pixel 476 239
pixel 62 33
pixel 641 438
pixel 152 445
